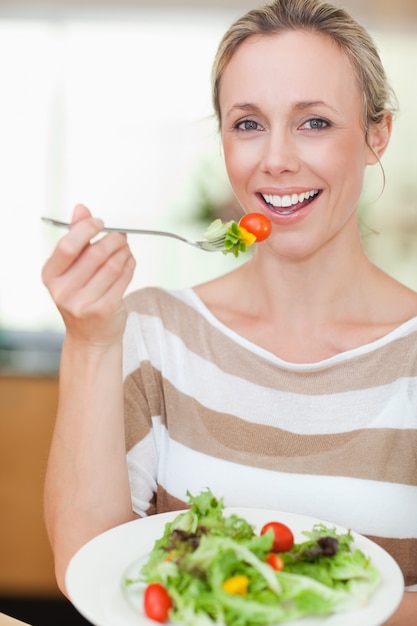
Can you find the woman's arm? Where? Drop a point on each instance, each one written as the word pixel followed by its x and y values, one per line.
pixel 86 486
pixel 406 614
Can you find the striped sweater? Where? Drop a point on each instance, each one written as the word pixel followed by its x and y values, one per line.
pixel 335 440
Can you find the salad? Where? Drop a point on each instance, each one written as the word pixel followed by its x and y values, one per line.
pixel 209 568
pixel 239 236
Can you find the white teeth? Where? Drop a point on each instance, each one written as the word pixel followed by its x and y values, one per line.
pixel 289 200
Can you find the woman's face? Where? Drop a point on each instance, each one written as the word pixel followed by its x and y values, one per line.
pixel 293 137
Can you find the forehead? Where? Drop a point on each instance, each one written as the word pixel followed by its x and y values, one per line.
pixel 292 64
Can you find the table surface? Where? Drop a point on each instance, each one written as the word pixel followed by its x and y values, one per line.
pixel 6 620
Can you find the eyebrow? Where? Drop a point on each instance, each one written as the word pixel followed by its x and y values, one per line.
pixel 298 106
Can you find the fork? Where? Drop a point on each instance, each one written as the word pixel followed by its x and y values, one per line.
pixel 215 245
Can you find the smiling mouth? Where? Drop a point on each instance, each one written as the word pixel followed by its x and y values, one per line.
pixel 290 203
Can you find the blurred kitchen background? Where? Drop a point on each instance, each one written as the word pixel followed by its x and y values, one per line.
pixel 107 102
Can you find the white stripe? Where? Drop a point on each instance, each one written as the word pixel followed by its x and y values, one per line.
pixel 142 464
pixel 365 506
pixel 387 406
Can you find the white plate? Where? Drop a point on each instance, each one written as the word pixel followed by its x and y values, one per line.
pixel 96 573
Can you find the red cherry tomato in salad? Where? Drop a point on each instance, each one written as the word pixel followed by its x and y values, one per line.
pixel 156 602
pixel 283 537
pixel 257 224
pixel 275 561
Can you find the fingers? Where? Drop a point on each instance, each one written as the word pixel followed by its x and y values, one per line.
pixel 103 271
pixel 107 309
pixel 113 274
pixel 87 277
pixel 80 212
pixel 71 246
pixel 82 260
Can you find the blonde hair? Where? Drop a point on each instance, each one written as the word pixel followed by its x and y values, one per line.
pixel 318 17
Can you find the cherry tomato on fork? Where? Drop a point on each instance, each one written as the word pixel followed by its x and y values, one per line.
pixel 257 224
pixel 283 537
pixel 156 602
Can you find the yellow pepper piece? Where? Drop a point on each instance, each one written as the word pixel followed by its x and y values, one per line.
pixel 247 237
pixel 237 585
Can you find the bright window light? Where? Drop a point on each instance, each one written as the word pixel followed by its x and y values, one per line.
pixel 113 113
pixel 116 113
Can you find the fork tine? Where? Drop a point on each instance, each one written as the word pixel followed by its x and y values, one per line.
pixel 215 244
pixel 209 246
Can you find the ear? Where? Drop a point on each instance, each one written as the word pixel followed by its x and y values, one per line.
pixel 378 139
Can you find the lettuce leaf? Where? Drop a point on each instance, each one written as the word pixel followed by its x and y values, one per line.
pixel 232 233
pixel 202 548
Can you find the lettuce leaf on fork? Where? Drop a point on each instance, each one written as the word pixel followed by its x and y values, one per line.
pixel 236 238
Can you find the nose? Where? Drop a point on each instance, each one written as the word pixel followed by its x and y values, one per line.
pixel 279 153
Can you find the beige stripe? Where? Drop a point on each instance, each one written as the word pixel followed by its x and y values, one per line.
pixel 382 365
pixel 390 454
pixel 142 400
pixel 404 551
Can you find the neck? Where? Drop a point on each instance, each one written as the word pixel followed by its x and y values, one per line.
pixel 309 289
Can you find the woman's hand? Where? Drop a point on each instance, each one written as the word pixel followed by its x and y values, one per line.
pixel 87 280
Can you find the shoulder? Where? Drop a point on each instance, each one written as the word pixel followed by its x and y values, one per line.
pixel 173 308
pixel 400 303
pixel 152 299
pixel 390 301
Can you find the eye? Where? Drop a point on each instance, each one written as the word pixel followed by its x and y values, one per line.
pixel 247 125
pixel 315 123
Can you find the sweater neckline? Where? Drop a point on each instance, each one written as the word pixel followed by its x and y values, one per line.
pixel 402 330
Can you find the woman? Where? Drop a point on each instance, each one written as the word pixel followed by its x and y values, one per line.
pixel 288 383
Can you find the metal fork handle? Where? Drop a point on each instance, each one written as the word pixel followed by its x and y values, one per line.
pixel 109 229
pixel 144 231
pixel 205 245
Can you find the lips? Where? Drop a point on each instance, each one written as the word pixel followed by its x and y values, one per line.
pixel 289 203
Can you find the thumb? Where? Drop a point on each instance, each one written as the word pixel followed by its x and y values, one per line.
pixel 80 213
